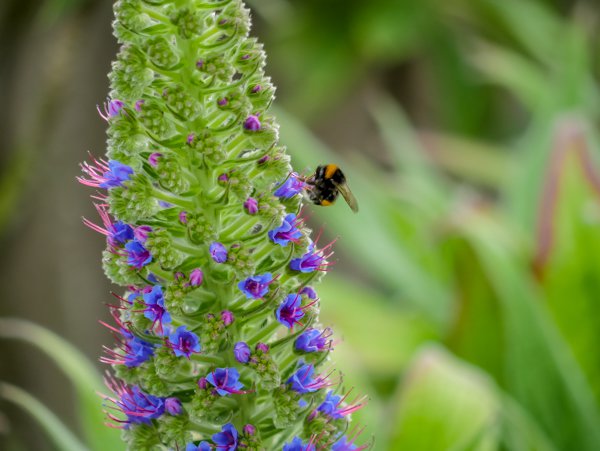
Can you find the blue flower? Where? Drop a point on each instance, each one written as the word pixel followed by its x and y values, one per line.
pixel 117 174
pixel 120 233
pixel 155 306
pixel 298 445
pixel 343 445
pixel 302 380
pixel 290 311
pixel 330 406
pixel 241 351
pixel 137 351
pixel 309 291
pixel 286 232
pixel 202 446
pixel 173 406
pixel 225 380
pixel 255 287
pixel 139 407
pixel 218 252
pixel 290 187
pixel 183 342
pixel 137 255
pixel 312 340
pixel 313 260
pixel 227 439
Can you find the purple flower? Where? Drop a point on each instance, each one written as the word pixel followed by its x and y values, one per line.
pixel 120 233
pixel 183 217
pixel 286 232
pixel 184 342
pixel 225 381
pixel 138 105
pixel 132 351
pixel 290 311
pixel 330 406
pixel 227 439
pixel 313 260
pixel 255 89
pixel 344 445
pixel 255 287
pixel 173 406
pixel 290 187
pixel 227 317
pixel 310 292
pixel 141 233
pixel 139 407
pixel 202 446
pixel 117 174
pixel 302 380
pixel 155 306
pixel 137 255
pixel 153 158
pixel 112 109
pixel 137 351
pixel 252 123
pixel 262 347
pixel 116 233
pixel 222 101
pixel 297 445
pixel 218 252
pixel 249 430
pixel 251 206
pixel 104 174
pixel 196 277
pixel 311 340
pixel 241 351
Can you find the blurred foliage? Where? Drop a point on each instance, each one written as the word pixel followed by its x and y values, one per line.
pixel 469 314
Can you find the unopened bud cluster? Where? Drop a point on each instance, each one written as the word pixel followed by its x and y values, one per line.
pixel 218 340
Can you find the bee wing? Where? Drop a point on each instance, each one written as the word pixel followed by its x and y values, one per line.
pixel 348 196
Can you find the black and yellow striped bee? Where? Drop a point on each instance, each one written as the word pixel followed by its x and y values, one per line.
pixel 326 184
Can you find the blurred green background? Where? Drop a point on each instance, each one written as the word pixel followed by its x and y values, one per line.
pixel 466 289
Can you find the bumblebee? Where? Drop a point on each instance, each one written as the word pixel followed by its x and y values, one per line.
pixel 326 184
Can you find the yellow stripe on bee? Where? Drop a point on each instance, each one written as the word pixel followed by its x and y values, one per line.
pixel 326 203
pixel 330 170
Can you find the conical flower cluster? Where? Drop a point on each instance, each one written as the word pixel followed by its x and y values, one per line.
pixel 218 340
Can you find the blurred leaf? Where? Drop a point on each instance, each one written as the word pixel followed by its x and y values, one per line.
pixel 519 75
pixel 569 243
pixel 60 435
pixel 520 431
pixel 473 161
pixel 444 405
pixel 540 372
pixel 352 309
pixel 529 23
pixel 477 332
pixel 390 30
pixel 79 370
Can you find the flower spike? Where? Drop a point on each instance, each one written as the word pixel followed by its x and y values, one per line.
pixel 205 233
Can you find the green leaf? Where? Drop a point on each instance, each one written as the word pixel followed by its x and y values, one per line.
pixel 568 246
pixel 60 435
pixel 540 371
pixel 79 370
pixel 350 307
pixel 444 404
